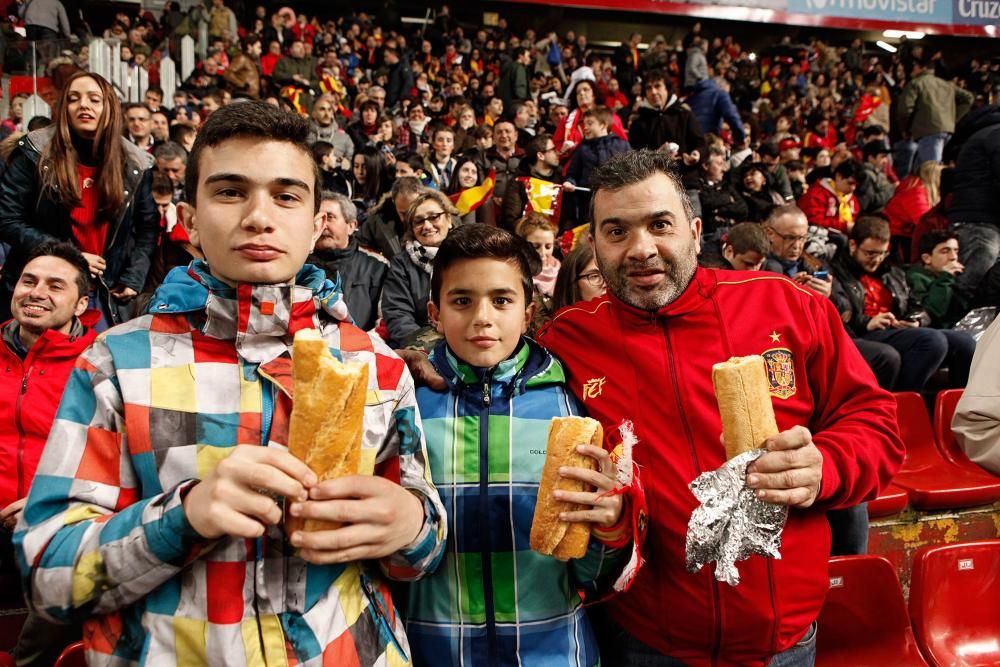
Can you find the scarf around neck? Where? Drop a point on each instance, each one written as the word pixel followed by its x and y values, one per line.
pixel 423 256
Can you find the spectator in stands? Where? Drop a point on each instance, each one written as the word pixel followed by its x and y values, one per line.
pixel 878 305
pixel 579 279
pixel 745 247
pixel 81 180
pixel 39 348
pixel 360 272
pixel 662 120
pixel 821 133
pixel 323 127
pixel 408 286
pixel 14 122
pixel 366 126
pixel 45 21
pixel 914 197
pixel 401 79
pixel 211 506
pixel 295 69
pixel 830 202
pixel 368 179
pixel 439 163
pixel 385 227
pixel 139 127
pixel 874 188
pixel 977 417
pixel 926 111
pixel 514 76
pixel 771 155
pixel 468 173
pixel 159 126
pixel 933 280
pixel 222 21
pixel 598 145
pixel 539 231
pixel 171 161
pixel 975 206
pixel 711 105
pixel 505 157
pixel 541 162
pixel 569 134
pixel 243 73
pixel 333 176
pixel 646 238
pixel 721 203
pixel 755 188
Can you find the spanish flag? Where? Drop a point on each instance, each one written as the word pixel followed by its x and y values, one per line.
pixel 329 84
pixel 472 198
pixel 572 238
pixel 294 95
pixel 544 197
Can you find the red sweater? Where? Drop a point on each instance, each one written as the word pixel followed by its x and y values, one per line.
pixel 29 395
pixel 656 369
pixel 822 208
pixel 90 232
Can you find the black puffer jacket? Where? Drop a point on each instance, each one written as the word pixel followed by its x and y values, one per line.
pixel 30 217
pixel 849 294
pixel 654 127
pixel 976 195
pixel 361 277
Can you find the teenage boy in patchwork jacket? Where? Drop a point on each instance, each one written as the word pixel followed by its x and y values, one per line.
pixel 158 517
pixel 494 601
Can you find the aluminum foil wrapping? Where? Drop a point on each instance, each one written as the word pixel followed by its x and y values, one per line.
pixel 731 523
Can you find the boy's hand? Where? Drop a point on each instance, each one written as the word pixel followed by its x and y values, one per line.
pixel 568 187
pixel 381 518
pixel 605 509
pixel 234 499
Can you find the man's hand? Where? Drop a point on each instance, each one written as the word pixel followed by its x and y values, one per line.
pixel 123 293
pixel 824 287
pixel 10 514
pixel 953 267
pixel 96 264
pixel 603 510
pixel 905 324
pixel 234 499
pixel 691 159
pixel 380 518
pixel 568 187
pixel 881 321
pixel 791 471
pixel 422 370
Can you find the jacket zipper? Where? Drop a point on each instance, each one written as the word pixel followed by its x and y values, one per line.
pixel 20 432
pixel 484 509
pixel 716 602
pixel 376 603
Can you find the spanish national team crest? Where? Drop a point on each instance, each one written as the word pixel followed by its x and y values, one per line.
pixel 780 372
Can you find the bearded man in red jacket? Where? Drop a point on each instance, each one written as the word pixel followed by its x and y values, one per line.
pixel 645 352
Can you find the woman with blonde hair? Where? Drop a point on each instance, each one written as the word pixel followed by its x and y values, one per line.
pixel 80 180
pixel 915 195
pixel 407 287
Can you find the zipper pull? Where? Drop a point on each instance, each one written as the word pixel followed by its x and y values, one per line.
pixel 486 393
pixel 24 384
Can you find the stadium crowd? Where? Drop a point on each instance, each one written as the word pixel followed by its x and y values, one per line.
pixel 867 179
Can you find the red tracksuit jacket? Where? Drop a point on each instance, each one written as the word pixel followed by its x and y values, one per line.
pixel 655 368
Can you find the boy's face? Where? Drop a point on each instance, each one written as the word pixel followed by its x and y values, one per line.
pixel 543 241
pixel 744 261
pixel 254 219
pixel 594 128
pixel 444 143
pixel 482 311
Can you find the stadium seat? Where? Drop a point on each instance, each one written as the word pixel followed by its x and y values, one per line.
pixel 892 500
pixel 954 603
pixel 932 481
pixel 7 660
pixel 73 656
pixel 864 621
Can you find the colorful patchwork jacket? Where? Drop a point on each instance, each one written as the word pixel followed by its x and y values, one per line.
pixel 152 407
pixel 494 601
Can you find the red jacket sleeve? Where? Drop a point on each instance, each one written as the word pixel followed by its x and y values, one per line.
pixel 854 421
pixel 813 204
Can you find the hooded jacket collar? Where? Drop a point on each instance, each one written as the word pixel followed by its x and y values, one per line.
pixel 55 343
pixel 529 366
pixel 646 105
pixel 261 319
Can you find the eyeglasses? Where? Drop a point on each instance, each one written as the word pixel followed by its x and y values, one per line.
pixel 430 217
pixel 874 254
pixel 791 238
pixel 593 278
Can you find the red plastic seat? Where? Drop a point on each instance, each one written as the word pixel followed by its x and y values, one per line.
pixel 892 500
pixel 954 603
pixel 73 656
pixel 864 621
pixel 7 660
pixel 933 481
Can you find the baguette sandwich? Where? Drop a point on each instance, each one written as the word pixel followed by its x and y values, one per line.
pixel 549 535
pixel 327 415
pixel 744 404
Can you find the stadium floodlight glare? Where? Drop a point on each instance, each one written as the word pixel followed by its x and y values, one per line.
pixel 888 47
pixel 899 34
pixel 752 56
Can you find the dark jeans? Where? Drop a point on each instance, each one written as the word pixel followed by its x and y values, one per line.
pixel 628 651
pixel 849 531
pixel 921 350
pixel 978 250
pixel 883 359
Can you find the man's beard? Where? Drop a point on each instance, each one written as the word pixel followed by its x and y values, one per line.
pixel 677 276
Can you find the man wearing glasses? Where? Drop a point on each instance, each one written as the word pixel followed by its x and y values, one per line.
pixel 877 305
pixel 541 161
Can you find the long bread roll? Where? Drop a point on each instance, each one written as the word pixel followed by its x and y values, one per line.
pixel 744 404
pixel 327 415
pixel 562 539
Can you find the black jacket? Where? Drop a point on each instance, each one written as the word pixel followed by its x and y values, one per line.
pixel 361 275
pixel 652 128
pixel 849 294
pixel 976 188
pixel 30 217
pixel 382 229
pixel 405 294
pixel 721 205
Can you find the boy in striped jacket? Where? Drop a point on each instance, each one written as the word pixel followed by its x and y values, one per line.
pixel 156 513
pixel 494 601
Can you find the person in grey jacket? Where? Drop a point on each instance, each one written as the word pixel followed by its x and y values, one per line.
pixel 977 418
pixel 44 19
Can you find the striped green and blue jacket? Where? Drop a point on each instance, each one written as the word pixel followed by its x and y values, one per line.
pixel 493 601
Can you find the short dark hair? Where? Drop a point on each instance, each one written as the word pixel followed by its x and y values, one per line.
pixel 162 184
pixel 481 242
pixel 634 167
pixel 849 169
pixel 567 289
pixel 536 146
pixel 249 120
pixel 870 227
pixel 748 237
pixel 934 238
pixel 320 150
pixel 69 253
pixel 656 76
pixel 602 115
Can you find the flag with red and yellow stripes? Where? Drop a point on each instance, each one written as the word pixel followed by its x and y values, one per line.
pixel 470 199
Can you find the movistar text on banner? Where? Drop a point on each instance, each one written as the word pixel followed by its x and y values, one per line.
pixel 977 12
pixel 930 11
